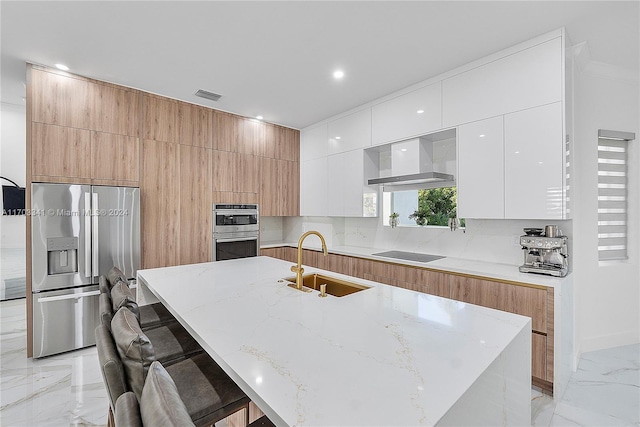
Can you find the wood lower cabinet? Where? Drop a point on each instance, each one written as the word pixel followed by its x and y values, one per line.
pixel 527 301
pixel 338 263
pixel 531 301
pixel 534 302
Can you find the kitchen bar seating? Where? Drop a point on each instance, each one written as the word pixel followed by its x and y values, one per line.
pixel 151 315
pixel 207 392
pixel 126 352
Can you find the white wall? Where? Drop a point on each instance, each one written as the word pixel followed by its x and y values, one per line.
pixel 13 166
pixel 607 296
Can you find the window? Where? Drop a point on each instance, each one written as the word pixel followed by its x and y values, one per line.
pixel 431 207
pixel 612 194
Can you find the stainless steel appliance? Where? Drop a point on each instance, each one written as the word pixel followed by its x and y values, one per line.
pixel 236 231
pixel 544 255
pixel 78 232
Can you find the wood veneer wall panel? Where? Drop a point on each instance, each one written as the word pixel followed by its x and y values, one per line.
pixel 288 144
pixel 60 99
pixel 251 133
pixel 226 131
pixel 267 144
pixel 223 163
pixel 269 187
pixel 285 197
pixel 160 201
pixel 60 151
pixel 114 110
pixel 194 125
pixel 235 198
pixel 195 205
pixel 114 157
pixel 246 173
pixel 160 119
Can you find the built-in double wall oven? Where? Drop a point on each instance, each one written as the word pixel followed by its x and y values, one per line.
pixel 236 231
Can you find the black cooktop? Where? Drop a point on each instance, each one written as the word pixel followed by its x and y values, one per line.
pixel 409 256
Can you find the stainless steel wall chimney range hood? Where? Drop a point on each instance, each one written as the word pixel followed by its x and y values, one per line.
pixel 414 181
pixel 410 164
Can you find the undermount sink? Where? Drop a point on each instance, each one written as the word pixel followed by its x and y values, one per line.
pixel 336 287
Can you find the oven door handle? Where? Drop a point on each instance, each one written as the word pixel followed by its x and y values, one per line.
pixel 237 239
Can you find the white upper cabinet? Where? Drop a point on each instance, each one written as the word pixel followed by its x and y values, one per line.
pixel 522 80
pixel 481 169
pixel 313 187
pixel 350 132
pixel 534 163
pixel 412 114
pixel 313 143
pixel 348 195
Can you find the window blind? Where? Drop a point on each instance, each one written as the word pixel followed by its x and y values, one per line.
pixel 612 196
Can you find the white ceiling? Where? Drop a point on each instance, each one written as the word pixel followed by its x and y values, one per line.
pixel 276 58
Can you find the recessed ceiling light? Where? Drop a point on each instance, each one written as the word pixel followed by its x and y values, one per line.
pixel 403 149
pixel 62 67
pixel 420 111
pixel 338 137
pixel 259 117
pixel 482 136
pixel 338 74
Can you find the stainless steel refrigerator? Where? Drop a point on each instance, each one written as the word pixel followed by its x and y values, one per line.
pixel 78 232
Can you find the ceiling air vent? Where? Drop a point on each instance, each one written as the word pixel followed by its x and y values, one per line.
pixel 208 95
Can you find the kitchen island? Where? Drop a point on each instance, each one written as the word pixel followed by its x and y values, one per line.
pixel 381 356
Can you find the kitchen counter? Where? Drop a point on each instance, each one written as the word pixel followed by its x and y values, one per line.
pixel 382 356
pixel 505 272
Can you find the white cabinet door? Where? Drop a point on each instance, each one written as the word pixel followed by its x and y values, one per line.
pixel 313 143
pixel 313 187
pixel 534 163
pixel 346 187
pixel 336 185
pixel 350 132
pixel 354 187
pixel 481 169
pixel 526 79
pixel 412 114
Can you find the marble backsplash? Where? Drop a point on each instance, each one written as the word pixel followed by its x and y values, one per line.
pixel 483 240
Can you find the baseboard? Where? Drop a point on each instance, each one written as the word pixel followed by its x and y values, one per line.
pixel 607 341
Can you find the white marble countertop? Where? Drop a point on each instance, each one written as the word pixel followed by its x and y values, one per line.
pixel 382 356
pixel 493 270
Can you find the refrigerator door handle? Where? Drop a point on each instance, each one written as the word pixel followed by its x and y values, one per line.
pixel 69 296
pixel 87 234
pixel 94 233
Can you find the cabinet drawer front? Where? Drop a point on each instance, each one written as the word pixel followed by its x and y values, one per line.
pixel 539 356
pixel 526 301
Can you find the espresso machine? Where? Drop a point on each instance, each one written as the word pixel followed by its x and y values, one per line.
pixel 545 251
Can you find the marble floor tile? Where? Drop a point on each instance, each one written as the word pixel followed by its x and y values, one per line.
pixel 67 389
pixel 61 390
